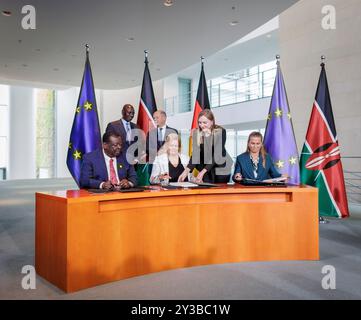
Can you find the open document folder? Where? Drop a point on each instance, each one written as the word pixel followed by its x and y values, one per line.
pixel 191 185
pixel 268 182
pixel 273 180
pixel 183 184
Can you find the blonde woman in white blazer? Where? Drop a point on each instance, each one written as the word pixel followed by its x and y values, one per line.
pixel 169 163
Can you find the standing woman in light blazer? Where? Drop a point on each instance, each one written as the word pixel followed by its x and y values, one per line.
pixel 170 162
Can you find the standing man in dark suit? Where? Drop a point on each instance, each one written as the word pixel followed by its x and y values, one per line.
pixel 107 168
pixel 156 137
pixel 124 126
pixel 126 129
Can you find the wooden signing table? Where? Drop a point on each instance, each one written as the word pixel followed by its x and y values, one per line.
pixel 84 240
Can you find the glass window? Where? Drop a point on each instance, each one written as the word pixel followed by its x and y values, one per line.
pixel 4 121
pixel 228 93
pixel 3 153
pixel 267 66
pixel 45 133
pixel 251 83
pixel 4 130
pixel 185 135
pixel 242 138
pixel 4 95
pixel 185 94
pixel 248 84
pixel 268 81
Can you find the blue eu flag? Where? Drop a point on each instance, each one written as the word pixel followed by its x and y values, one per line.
pixel 279 139
pixel 85 133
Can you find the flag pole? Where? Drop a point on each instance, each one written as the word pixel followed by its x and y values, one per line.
pixel 87 50
pixel 145 56
pixel 321 219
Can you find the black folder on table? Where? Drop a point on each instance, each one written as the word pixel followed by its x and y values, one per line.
pixel 253 182
pixel 206 184
pixel 135 189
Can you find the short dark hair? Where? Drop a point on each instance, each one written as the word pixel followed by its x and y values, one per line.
pixel 127 105
pixel 108 134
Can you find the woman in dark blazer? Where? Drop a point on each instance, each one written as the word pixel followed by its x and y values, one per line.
pixel 255 163
pixel 209 155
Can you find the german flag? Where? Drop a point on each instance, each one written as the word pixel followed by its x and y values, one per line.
pixel 202 102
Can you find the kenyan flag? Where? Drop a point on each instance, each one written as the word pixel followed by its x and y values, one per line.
pixel 320 162
pixel 147 106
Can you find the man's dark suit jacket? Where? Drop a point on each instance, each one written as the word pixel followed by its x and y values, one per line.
pixel 94 170
pixel 153 144
pixel 118 127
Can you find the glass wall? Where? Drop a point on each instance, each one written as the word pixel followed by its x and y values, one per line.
pixel 4 130
pixel 185 94
pixel 244 85
pixel 45 133
pixel 242 138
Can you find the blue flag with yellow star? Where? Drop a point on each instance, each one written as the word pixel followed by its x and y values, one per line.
pixel 279 139
pixel 85 133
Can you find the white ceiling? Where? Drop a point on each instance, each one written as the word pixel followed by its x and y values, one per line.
pixel 175 36
pixel 258 47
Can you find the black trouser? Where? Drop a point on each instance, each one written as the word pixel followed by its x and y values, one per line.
pixel 212 177
pixel 222 179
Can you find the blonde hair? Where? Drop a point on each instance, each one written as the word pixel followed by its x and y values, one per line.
pixel 170 137
pixel 256 134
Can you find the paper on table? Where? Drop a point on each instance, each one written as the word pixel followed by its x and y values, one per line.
pixel 183 184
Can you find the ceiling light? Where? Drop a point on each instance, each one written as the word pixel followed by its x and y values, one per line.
pixel 233 19
pixel 130 39
pixel 168 3
pixel 6 13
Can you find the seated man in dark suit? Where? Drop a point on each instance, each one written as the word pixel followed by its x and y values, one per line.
pixel 107 168
pixel 157 136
